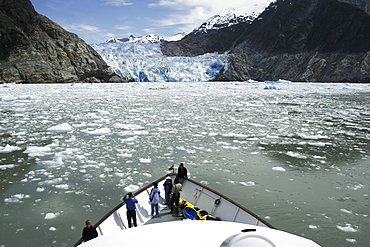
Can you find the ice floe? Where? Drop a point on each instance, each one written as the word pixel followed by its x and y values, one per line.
pixel 9 149
pixel 249 183
pixel 278 168
pixel 348 228
pixel 64 127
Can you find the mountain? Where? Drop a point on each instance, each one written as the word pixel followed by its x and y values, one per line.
pixel 33 49
pixel 150 38
pixel 223 20
pixel 219 34
pixel 297 40
pixel 140 58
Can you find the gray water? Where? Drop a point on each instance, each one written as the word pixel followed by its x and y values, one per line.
pixel 297 155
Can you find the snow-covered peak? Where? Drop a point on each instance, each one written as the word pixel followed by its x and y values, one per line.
pixel 150 38
pixel 176 37
pixel 225 19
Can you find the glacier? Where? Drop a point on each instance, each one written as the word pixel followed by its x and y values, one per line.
pixel 144 62
pixel 140 59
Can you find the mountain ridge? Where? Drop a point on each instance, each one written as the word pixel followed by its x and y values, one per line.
pixel 296 40
pixel 150 38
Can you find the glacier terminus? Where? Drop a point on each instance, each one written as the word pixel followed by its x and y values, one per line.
pixel 143 61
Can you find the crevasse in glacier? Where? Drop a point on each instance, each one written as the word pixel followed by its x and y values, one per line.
pixel 145 62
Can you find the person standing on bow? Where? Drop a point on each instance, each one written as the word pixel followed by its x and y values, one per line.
pixel 89 232
pixel 182 173
pixel 130 201
pixel 175 197
pixel 167 190
pixel 154 199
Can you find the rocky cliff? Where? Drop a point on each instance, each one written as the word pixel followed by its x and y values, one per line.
pixel 302 40
pixel 33 49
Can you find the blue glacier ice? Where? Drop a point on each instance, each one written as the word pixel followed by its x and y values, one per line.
pixel 145 62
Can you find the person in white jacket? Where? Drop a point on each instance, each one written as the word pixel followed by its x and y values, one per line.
pixel 154 198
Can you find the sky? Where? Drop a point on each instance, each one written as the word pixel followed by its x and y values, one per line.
pixel 96 21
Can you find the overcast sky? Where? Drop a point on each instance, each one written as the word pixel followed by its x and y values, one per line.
pixel 98 20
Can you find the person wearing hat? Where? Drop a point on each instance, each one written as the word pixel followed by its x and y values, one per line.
pixel 167 190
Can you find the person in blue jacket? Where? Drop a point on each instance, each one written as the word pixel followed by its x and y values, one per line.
pixel 130 201
pixel 154 198
pixel 167 190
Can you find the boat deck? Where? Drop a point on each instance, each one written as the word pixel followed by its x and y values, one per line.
pixel 164 215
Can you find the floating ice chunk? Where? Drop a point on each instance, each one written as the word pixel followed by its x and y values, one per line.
pixel 355 187
pixel 351 240
pixel 143 160
pixel 24 97
pixel 102 131
pixel 12 199
pixel 51 181
pixel 119 174
pixel 50 216
pixel 40 189
pixel 131 188
pixel 133 133
pixel 255 124
pixel 313 227
pixel 58 161
pixel 346 211
pixel 312 137
pixel 91 116
pixel 62 186
pixel 37 151
pixel 125 155
pixel 249 183
pixel 283 81
pixel 7 98
pixel 318 144
pixel 4 167
pixel 52 229
pixel 21 196
pixel 16 198
pixel 277 168
pixel 234 135
pixel 64 127
pixel 9 149
pixel 128 126
pixel 296 155
pixel 347 228
pixel 103 112
pixel 251 81
pixel 147 175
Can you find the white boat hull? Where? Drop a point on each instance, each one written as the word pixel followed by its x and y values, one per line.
pixel 200 233
pixel 164 230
